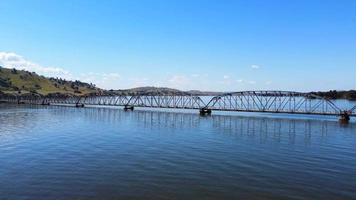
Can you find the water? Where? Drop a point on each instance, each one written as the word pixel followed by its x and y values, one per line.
pixel 102 153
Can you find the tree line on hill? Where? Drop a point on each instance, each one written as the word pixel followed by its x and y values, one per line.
pixel 334 94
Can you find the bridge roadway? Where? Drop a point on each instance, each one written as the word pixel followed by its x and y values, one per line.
pixel 246 101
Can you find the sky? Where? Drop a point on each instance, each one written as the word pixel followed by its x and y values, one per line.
pixel 214 45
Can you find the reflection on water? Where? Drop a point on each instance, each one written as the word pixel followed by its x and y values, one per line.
pixel 277 129
pixel 101 153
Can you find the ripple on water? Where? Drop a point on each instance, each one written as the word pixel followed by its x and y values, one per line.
pixel 96 153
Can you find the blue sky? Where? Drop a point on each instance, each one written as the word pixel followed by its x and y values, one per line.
pixel 208 45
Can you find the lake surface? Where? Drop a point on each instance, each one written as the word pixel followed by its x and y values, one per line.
pixel 104 153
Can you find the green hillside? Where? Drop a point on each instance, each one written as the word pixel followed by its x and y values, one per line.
pixel 20 81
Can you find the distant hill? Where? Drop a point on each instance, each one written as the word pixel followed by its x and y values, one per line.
pixel 204 93
pixel 20 81
pixel 160 91
pixel 24 82
pixel 148 91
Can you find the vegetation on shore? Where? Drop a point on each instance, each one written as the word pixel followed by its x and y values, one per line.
pixel 160 91
pixel 334 94
pixel 147 91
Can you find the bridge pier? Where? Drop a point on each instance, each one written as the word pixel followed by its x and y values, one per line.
pixel 44 103
pixel 128 107
pixel 205 111
pixel 344 117
pixel 20 102
pixel 79 105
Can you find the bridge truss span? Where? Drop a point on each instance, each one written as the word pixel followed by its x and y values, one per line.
pixel 164 101
pixel 152 101
pixel 353 111
pixel 105 100
pixel 274 102
pixel 245 101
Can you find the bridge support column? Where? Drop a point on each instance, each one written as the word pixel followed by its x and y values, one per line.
pixel 79 105
pixel 44 103
pixel 344 118
pixel 128 107
pixel 205 111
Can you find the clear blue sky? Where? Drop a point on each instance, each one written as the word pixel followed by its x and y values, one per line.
pixel 208 45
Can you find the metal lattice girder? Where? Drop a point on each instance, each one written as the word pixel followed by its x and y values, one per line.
pixel 165 101
pixel 105 100
pixel 273 101
pixel 158 101
pixel 353 110
pixel 246 101
pixel 13 98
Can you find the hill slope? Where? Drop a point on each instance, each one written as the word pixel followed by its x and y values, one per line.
pixel 148 91
pixel 333 94
pixel 12 80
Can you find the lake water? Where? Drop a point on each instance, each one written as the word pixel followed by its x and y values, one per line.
pixel 105 153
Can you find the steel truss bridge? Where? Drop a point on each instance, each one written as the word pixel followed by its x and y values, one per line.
pixel 246 101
